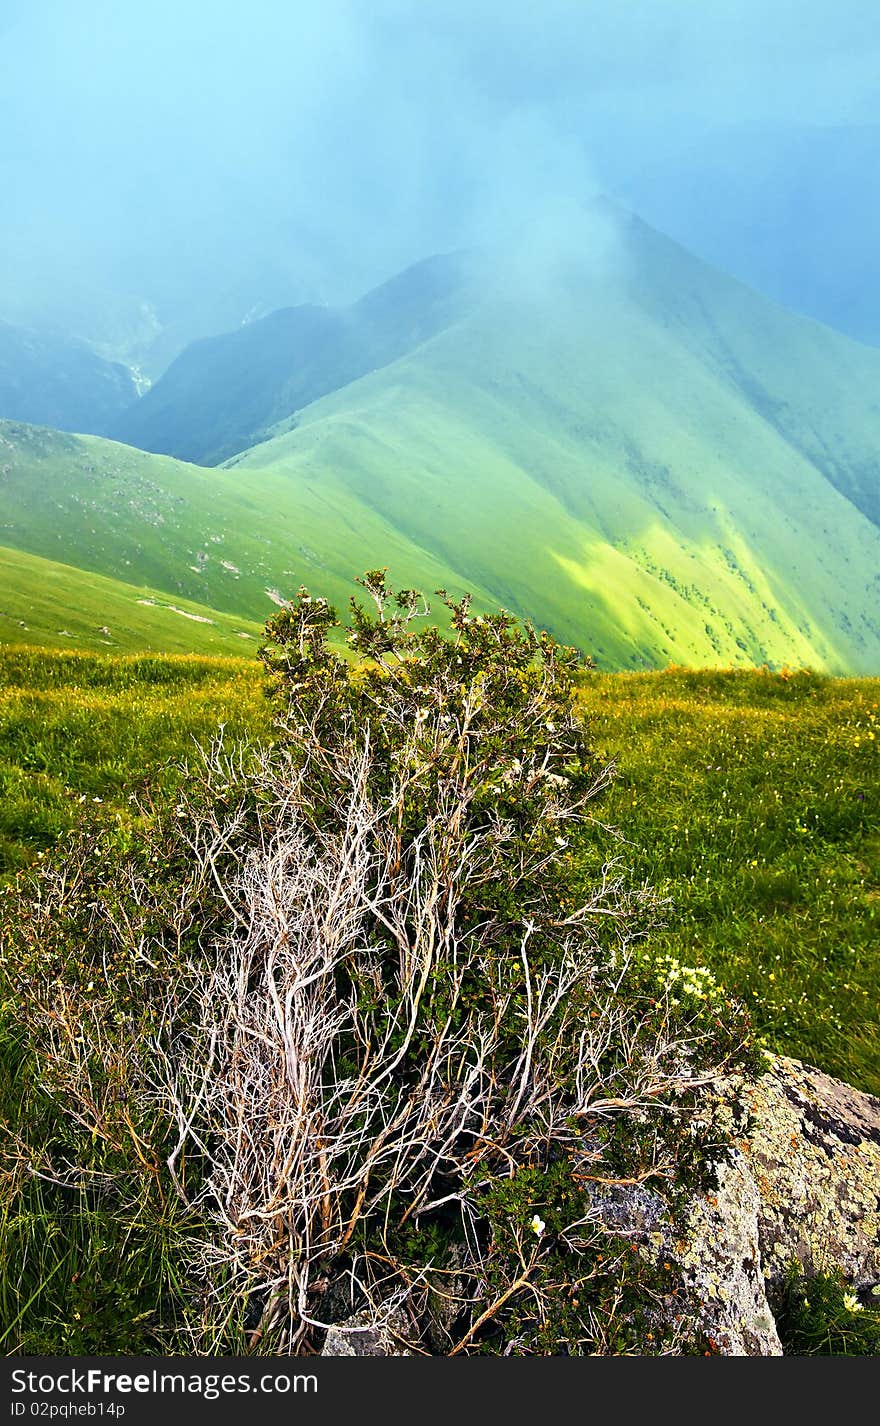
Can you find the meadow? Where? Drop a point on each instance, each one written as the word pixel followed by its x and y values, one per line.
pixel 57 606
pixel 82 735
pixel 750 802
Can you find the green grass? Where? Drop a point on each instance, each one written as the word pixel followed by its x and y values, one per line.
pixel 751 800
pixel 54 605
pixel 80 734
pixel 222 540
pixel 821 1316
pixel 76 1277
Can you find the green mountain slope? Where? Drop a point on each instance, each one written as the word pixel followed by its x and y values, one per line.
pixel 55 382
pixel 204 535
pixel 57 606
pixel 638 452
pixel 654 461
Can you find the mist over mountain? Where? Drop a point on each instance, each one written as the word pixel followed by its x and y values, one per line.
pixel 362 266
pixel 647 457
pixel 170 172
pixel 793 210
pixel 613 274
pixel 223 393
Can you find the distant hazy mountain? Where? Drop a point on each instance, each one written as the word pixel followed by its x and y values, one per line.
pixel 616 440
pixel 222 393
pixel 53 382
pixel 794 211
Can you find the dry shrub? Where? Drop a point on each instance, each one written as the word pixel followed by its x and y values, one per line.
pixel 389 1031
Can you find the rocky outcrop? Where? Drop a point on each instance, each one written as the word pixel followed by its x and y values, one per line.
pixel 722 1267
pixel 804 1184
pixel 814 1155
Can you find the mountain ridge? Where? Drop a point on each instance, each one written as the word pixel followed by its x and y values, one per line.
pixel 223 393
pixel 636 451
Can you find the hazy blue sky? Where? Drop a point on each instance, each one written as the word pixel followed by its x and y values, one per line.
pixel 168 150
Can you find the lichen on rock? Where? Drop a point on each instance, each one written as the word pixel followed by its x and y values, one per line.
pixel 814 1152
pixel 802 1183
pixel 368 1334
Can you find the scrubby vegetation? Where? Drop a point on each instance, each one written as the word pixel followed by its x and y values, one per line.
pixel 750 801
pixel 820 1316
pixel 359 1017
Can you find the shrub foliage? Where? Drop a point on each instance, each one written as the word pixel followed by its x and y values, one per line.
pixel 345 1014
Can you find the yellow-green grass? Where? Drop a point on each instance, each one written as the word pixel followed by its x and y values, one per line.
pixel 80 734
pixel 54 605
pixel 750 799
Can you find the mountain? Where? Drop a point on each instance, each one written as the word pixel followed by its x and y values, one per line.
pixel 647 456
pixel 223 393
pixel 51 381
pixel 793 210
pixel 619 441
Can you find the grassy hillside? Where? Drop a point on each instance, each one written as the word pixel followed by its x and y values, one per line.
pixel 43 602
pixel 642 455
pixel 207 536
pixel 750 800
pixel 55 382
pixel 662 472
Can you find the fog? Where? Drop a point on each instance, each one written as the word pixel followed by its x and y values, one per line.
pixel 171 168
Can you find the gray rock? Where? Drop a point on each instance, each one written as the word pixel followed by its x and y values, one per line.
pixel 721 1288
pixel 722 1266
pixel 367 1335
pixel 803 1183
pixel 814 1154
